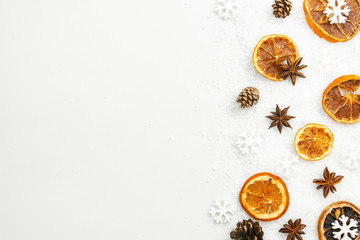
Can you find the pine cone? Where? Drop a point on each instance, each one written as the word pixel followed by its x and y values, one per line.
pixel 247 230
pixel 282 8
pixel 248 97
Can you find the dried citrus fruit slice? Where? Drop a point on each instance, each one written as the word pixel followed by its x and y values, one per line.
pixel 314 142
pixel 340 101
pixel 264 196
pixel 339 215
pixel 320 23
pixel 270 52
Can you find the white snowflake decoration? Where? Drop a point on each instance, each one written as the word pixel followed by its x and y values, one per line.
pixel 337 11
pixel 222 211
pixel 347 230
pixel 287 165
pixel 351 158
pixel 248 142
pixel 326 61
pixel 227 9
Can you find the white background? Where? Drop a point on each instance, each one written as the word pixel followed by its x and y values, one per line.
pixel 118 118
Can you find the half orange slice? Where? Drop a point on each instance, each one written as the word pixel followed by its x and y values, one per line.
pixel 340 100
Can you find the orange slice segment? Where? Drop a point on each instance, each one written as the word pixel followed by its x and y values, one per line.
pixel 314 142
pixel 270 52
pixel 320 24
pixel 265 197
pixel 340 101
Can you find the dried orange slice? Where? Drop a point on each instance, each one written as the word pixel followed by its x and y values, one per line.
pixel 340 101
pixel 342 213
pixel 264 196
pixel 270 52
pixel 314 142
pixel 320 23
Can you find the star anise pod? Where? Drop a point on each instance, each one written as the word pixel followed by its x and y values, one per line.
pixel 328 183
pixel 294 229
pixel 280 118
pixel 292 68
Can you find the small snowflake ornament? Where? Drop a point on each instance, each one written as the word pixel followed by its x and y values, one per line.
pixel 347 229
pixel 337 11
pixel 227 9
pixel 248 142
pixel 222 211
pixel 351 158
pixel 326 62
pixel 287 165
